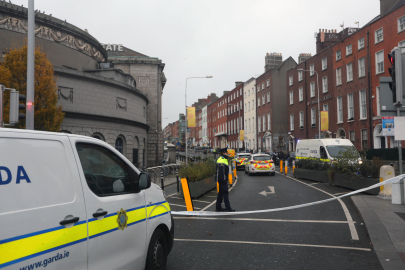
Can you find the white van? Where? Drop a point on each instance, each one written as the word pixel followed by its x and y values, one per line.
pixel 325 149
pixel 74 202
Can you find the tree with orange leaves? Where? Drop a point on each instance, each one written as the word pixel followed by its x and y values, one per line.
pixel 13 74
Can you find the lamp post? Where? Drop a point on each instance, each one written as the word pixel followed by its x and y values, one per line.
pixel 233 104
pixel 185 98
pixel 319 103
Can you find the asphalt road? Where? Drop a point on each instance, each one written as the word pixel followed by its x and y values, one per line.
pixel 314 237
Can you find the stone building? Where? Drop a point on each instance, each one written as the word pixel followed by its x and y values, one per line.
pixel 119 104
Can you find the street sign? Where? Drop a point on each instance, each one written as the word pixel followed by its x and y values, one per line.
pixel 388 125
pixel 399 132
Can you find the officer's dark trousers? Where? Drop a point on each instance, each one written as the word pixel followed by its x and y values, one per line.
pixel 223 193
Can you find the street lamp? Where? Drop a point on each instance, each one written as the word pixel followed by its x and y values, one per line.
pixel 185 97
pixel 319 102
pixel 233 104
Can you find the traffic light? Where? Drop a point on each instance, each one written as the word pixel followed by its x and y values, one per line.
pixel 15 107
pixel 396 74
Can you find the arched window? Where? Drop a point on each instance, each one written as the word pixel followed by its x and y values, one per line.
pixel 119 145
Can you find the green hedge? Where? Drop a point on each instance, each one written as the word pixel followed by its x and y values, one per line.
pixel 384 154
pixel 196 171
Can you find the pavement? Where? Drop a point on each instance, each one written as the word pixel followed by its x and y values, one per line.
pixel 323 236
pixel 385 223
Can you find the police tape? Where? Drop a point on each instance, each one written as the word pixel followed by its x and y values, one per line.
pixel 205 214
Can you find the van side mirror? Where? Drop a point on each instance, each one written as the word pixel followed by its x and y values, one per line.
pixel 144 181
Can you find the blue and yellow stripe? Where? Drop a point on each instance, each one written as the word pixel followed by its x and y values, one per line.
pixel 24 247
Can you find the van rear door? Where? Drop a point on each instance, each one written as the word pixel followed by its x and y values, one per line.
pixel 42 214
pixel 116 214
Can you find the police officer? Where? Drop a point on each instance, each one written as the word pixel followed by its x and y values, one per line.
pixel 221 177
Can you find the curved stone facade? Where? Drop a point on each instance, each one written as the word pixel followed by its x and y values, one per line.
pixel 102 103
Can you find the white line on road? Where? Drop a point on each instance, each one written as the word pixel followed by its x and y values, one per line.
pixel 182 205
pixel 312 184
pixel 172 194
pixel 352 228
pixel 201 201
pixel 341 193
pixel 236 180
pixel 274 244
pixel 269 220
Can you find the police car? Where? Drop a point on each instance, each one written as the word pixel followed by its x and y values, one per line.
pixel 260 163
pixel 241 160
pixel 74 202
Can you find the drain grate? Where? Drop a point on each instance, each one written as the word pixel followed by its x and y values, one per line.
pixel 401 215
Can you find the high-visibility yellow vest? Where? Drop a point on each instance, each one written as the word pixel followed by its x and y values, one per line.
pixel 223 160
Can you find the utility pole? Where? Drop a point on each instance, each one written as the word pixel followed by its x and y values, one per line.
pixel 29 124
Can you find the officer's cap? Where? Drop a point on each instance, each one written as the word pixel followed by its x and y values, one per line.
pixel 222 150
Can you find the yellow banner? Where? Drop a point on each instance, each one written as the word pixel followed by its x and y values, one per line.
pixel 324 121
pixel 190 116
pixel 241 135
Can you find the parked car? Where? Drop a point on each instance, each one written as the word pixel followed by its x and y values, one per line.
pixel 241 160
pixel 260 163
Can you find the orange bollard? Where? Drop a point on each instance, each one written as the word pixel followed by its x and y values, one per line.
pixel 186 193
pixel 286 170
pixel 281 166
pixel 293 169
pixel 217 187
pixel 234 170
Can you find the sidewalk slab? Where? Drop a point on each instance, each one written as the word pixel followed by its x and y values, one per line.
pixel 386 229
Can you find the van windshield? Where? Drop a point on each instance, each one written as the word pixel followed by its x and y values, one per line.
pixel 338 150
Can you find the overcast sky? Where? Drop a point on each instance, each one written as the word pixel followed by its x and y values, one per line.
pixel 225 39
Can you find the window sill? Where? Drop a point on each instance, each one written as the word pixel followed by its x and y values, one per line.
pixel 338 59
pixel 313 125
pixel 338 84
pixel 350 121
pixel 338 123
pixel 362 76
pixel 379 42
pixel 324 92
pixel 312 75
pixel 382 72
pixel 349 81
pixel 362 48
pixel 291 104
pixel 301 127
pixel 324 69
pixel 348 54
pixel 401 30
pixel 362 119
pixel 300 80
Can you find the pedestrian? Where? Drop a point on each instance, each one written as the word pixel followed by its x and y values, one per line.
pixel 221 177
pixel 287 157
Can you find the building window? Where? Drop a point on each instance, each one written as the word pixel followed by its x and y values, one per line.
pixel 362 67
pixel 249 93
pixel 291 98
pixel 301 94
pixel 119 145
pixel 249 126
pixel 378 35
pixel 348 49
pixel 268 97
pixel 301 119
pixel 313 117
pixel 263 99
pixel 379 62
pixel 360 43
pixel 253 124
pixel 262 86
pixel 249 106
pixel 300 75
pixel 338 76
pixel 268 83
pixel 311 70
pixel 349 71
pixel 324 84
pixel 352 136
pixel 350 108
pixel 340 110
pixel 290 80
pixel 325 107
pixel 312 88
pixel 363 104
pixel 241 107
pixel 338 55
pixel 364 145
pixel 264 122
pixel 378 101
pixel 401 24
pixel 292 121
pixel 259 125
pixel 268 122
pixel 258 88
pixel 324 63
pixel 258 102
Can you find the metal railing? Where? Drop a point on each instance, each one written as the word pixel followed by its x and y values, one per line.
pixel 165 173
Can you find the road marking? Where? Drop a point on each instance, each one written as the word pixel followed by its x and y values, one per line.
pixel 265 193
pixel 211 196
pixel 172 194
pixel 352 228
pixel 312 184
pixel 182 205
pixel 270 220
pixel 201 201
pixel 342 193
pixel 234 184
pixel 274 244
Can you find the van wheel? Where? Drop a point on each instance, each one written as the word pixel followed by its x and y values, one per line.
pixel 157 252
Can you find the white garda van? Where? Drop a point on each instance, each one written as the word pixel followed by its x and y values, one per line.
pixel 325 149
pixel 74 202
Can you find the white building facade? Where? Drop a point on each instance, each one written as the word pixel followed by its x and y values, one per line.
pixel 249 90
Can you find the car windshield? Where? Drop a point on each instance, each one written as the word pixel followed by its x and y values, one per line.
pixel 339 150
pixel 243 156
pixel 262 158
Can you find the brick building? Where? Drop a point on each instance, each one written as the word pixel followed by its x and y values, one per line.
pixel 349 66
pixel 235 116
pixel 219 124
